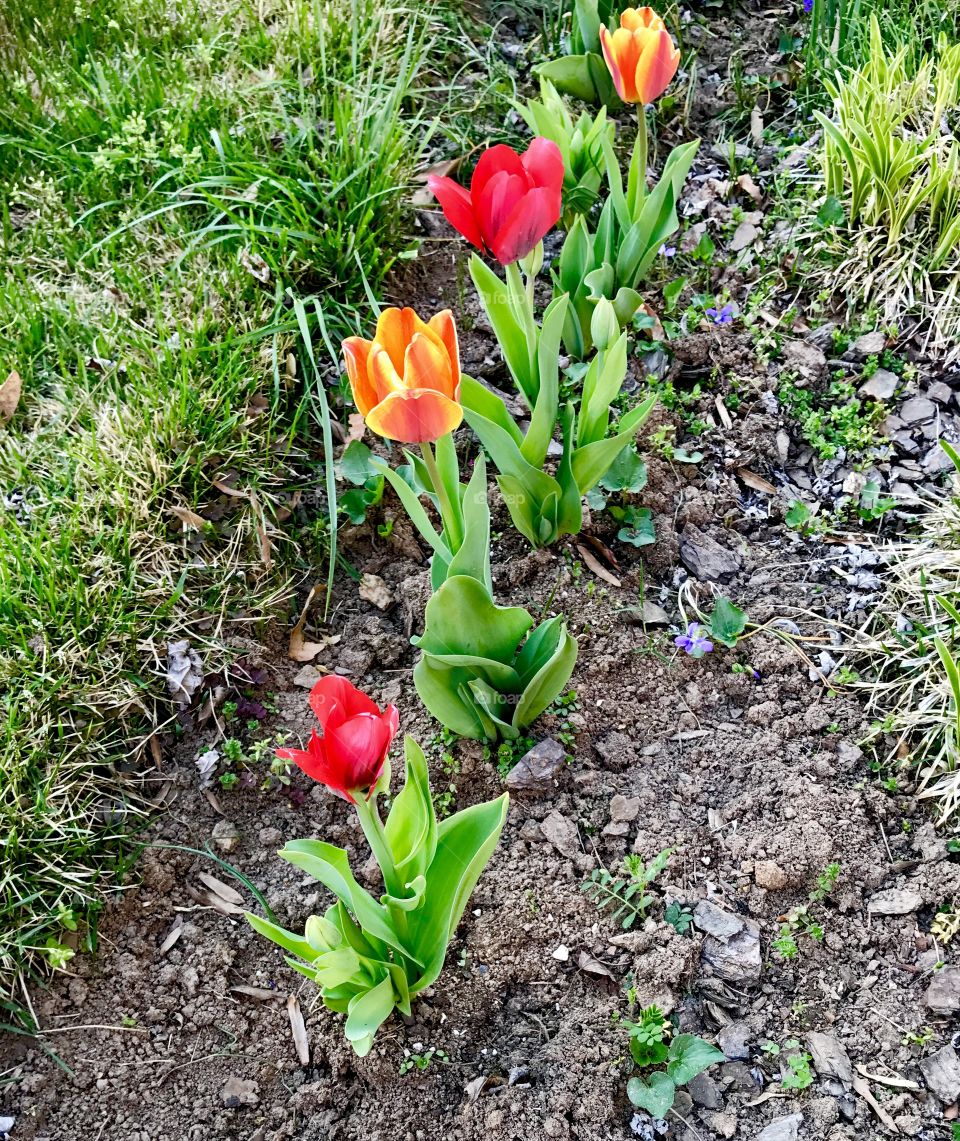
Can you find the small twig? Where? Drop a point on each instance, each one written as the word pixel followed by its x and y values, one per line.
pixel 95 1026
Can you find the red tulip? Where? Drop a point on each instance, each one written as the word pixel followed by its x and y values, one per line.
pixel 350 755
pixel 512 203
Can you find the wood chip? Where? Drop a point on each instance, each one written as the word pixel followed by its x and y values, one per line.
pixel 10 392
pixel 299 1030
pixel 723 413
pixel 896 1081
pixel 861 1087
pixel 171 936
pixel 597 567
pixel 768 1096
pixel 757 482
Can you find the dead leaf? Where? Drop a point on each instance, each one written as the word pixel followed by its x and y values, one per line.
pixel 254 264
pixel 595 565
pixel 602 550
pixel 156 751
pixel 744 235
pixel 657 332
pixel 171 936
pixel 591 966
pixel 756 126
pixel 757 482
pixel 768 1096
pixel 897 1082
pixel 861 1087
pixel 223 890
pixel 233 492
pixel 213 802
pixel 300 649
pixel 423 195
pixel 748 186
pixel 190 519
pixel 10 392
pixel 300 1039
pixel 723 413
pixel 257 993
pixel 184 672
pixel 374 590
pixel 357 425
pixel 257 405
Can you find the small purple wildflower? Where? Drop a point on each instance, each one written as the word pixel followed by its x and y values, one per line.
pixel 694 642
pixel 722 316
pixel 808 6
pixel 666 251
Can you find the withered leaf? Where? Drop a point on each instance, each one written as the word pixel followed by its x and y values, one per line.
pixel 300 649
pixel 176 930
pixel 257 993
pixel 223 890
pixel 596 566
pixel 190 519
pixel 300 1039
pixel 757 482
pixel 10 392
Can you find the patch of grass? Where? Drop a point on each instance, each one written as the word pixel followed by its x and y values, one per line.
pixel 834 420
pixel 173 176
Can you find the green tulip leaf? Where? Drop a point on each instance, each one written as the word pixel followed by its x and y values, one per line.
pixel 548 682
pixel 411 827
pixel 367 1013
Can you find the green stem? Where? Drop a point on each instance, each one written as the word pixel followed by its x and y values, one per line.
pixel 451 525
pixel 373 829
pixel 641 146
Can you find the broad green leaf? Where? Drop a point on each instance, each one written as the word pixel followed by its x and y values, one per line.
pixel 569 517
pixel 473 557
pixel 295 944
pixel 476 397
pixel 414 508
pixel 727 622
pixel 592 462
pixel 513 339
pixel 548 682
pixel 656 1096
pixel 689 1056
pixel 544 418
pixel 628 473
pixel 571 74
pixel 538 649
pixel 525 512
pixel 442 690
pixel 601 386
pixel 367 1013
pixel 462 618
pixel 449 469
pixel 465 842
pixel 355 465
pixel 411 826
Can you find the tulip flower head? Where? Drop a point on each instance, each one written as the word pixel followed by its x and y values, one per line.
pixel 350 756
pixel 640 55
pixel 406 381
pixel 512 203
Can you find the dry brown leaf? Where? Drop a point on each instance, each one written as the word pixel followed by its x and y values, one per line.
pixel 591 966
pixel 300 1039
pixel 861 1087
pixel 748 186
pixel 213 802
pixel 300 649
pixel 756 126
pixel 257 406
pixel 723 413
pixel 233 492
pixel 156 750
pixel 757 482
pixel 657 332
pixel 254 264
pixel 597 567
pixel 190 519
pixel 223 890
pixel 171 936
pixel 896 1081
pixel 601 549
pixel 423 195
pixel 10 392
pixel 357 424
pixel 257 993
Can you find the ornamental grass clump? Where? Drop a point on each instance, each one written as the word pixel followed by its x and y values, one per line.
pixel 890 223
pixel 370 956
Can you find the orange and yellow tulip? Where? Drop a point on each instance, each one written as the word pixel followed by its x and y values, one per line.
pixel 640 55
pixel 406 381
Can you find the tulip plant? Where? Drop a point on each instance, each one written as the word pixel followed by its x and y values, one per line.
pixel 368 956
pixel 542 506
pixel 582 73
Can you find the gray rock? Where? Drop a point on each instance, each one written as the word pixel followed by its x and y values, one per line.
pixel 703 1089
pixel 939 392
pixel 562 834
pixel 738 1077
pixel 830 1058
pixel 822 335
pixel 782 1128
pixel 808 360
pixel 895 901
pixel 731 949
pixel 744 235
pixel 941 1072
pixel 537 770
pixel 649 614
pixel 881 386
pixel 734 1040
pixel 943 993
pixel 723 1124
pixel 936 461
pixel 623 808
pixel 225 836
pixel 867 346
pixel 704 557
pixel 917 409
pixel 616 749
pixel 239 1091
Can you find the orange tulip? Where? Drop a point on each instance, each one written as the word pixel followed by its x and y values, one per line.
pixel 640 55
pixel 406 381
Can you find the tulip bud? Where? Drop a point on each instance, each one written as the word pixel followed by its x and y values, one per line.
pixel 533 262
pixel 604 326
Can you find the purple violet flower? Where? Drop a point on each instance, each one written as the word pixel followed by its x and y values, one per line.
pixel 694 642
pixel 808 6
pixel 666 251
pixel 722 316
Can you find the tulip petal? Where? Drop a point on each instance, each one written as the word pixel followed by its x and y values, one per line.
pixel 334 696
pixel 533 217
pixel 427 365
pixel 358 749
pixel 656 66
pixel 318 765
pixel 415 417
pixel 500 197
pixel 457 207
pixel 621 52
pixel 396 328
pixel 356 352
pixel 443 325
pixel 634 18
pixel 384 378
pixel 500 159
pixel 543 162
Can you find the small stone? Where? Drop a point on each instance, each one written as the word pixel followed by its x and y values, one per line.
pixel 562 834
pixel 804 358
pixel 744 235
pixel 734 1040
pixel 723 1124
pixel 240 1091
pixel 703 1089
pixel 881 386
pixel 895 901
pixel 561 954
pixel 269 837
pixel 307 677
pixel 770 875
pixel 939 392
pixel 653 615
pixel 783 446
pixel 869 345
pixel 943 993
pixel 624 808
pixel 936 461
pixel 373 589
pixel 830 1058
pixel 941 1072
pixel 704 557
pixel 738 1077
pixel 782 1128
pixel 537 770
pixel 731 950
pixel 225 836
pixel 917 409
